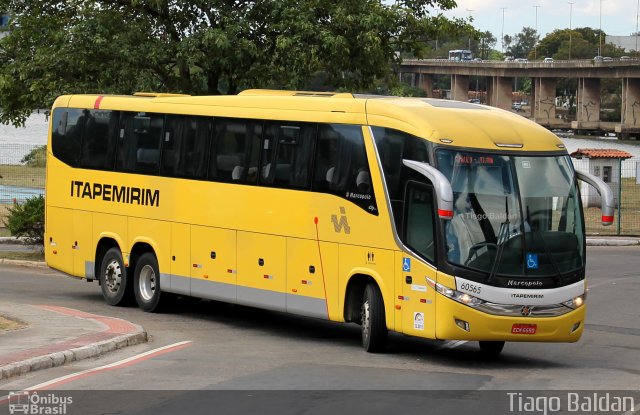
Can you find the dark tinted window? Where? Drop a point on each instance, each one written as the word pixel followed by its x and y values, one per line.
pixel 66 136
pixel 286 154
pixel 341 165
pixel 419 221
pixel 393 147
pixel 139 143
pixel 98 143
pixel 236 149
pixel 185 146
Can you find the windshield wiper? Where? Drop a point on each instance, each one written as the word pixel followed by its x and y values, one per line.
pixel 503 236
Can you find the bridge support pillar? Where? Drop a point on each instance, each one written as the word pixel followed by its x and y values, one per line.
pixel 588 105
pixel 500 92
pixel 425 82
pixel 460 87
pixel 543 107
pixel 630 106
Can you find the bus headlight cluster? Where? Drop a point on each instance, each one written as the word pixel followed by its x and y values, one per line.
pixel 576 302
pixel 455 295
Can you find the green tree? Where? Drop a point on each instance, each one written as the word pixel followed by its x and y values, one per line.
pixel 523 43
pixel 36 157
pixel 204 47
pixel 584 44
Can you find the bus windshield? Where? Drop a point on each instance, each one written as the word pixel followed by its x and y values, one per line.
pixel 514 216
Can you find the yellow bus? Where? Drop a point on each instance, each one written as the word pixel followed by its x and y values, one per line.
pixel 437 219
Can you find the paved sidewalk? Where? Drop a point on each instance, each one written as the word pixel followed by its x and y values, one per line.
pixel 55 336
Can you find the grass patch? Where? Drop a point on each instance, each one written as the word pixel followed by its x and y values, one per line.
pixel 22 176
pixel 7 324
pixel 3 231
pixel 629 213
pixel 23 256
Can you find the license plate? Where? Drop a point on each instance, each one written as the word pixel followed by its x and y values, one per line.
pixel 524 329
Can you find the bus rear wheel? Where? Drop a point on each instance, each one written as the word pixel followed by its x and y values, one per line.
pixel 374 324
pixel 146 283
pixel 114 280
pixel 491 349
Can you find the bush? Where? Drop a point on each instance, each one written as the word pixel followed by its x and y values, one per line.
pixel 27 220
pixel 36 157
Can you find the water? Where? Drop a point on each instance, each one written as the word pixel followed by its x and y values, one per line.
pixel 16 142
pixel 9 194
pixel 34 131
pixel 573 143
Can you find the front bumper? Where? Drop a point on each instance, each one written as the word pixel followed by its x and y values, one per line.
pixel 487 327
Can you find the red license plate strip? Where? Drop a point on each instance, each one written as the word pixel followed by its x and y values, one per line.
pixel 524 329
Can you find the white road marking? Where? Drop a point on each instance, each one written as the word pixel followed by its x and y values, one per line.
pixel 111 366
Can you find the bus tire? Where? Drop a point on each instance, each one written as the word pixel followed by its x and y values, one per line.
pixel 114 279
pixel 374 324
pixel 146 283
pixel 491 348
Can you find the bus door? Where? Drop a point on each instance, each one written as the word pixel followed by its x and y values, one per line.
pixel 417 299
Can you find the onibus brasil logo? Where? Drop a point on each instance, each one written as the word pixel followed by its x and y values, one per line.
pixel 34 403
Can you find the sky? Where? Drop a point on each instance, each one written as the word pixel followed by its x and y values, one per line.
pixel 618 16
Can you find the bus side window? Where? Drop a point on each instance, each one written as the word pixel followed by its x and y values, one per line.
pixel 286 154
pixel 67 135
pixel 139 143
pixel 393 147
pixel 342 167
pixel 185 146
pixel 99 142
pixel 419 229
pixel 236 150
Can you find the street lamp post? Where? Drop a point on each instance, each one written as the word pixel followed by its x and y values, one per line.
pixel 469 10
pixel 600 34
pixel 502 35
pixel 535 46
pixel 571 3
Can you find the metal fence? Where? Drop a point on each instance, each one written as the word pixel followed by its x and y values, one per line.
pixel 22 175
pixel 22 171
pixel 623 177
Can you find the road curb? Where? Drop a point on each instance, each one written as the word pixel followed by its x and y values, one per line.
pixel 72 355
pixel 124 334
pixel 22 263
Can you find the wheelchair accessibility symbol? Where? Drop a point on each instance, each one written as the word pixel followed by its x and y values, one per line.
pixel 532 261
pixel 406 264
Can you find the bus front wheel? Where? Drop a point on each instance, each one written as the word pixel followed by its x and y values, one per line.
pixel 146 283
pixel 374 324
pixel 114 280
pixel 491 349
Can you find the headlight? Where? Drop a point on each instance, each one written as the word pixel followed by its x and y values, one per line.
pixel 576 302
pixel 455 295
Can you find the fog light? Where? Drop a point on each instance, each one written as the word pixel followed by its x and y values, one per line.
pixel 575 327
pixel 463 325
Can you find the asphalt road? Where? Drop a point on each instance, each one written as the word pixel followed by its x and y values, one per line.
pixel 245 349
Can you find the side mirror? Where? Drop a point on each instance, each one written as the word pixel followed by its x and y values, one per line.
pixel 606 195
pixel 441 185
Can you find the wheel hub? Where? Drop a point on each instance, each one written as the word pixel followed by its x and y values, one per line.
pixel 113 276
pixel 147 284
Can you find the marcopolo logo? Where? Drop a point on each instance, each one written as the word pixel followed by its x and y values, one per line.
pixel 34 403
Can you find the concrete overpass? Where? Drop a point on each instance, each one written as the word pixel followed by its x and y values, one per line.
pixel 500 76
